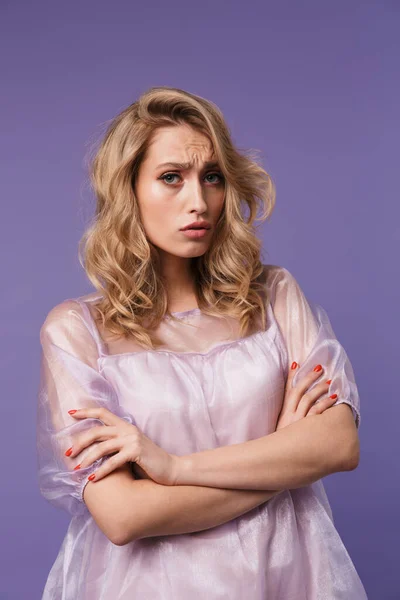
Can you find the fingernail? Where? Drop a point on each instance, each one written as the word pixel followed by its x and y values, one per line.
pixel 72 412
pixel 68 452
pixel 318 368
pixel 333 396
pixel 91 477
pixel 329 381
pixel 77 467
pixel 294 364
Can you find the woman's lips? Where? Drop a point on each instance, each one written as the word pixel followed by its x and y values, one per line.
pixel 195 233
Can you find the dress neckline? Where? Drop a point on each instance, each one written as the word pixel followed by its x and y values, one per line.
pixel 103 354
pixel 194 311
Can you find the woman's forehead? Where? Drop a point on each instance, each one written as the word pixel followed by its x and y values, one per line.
pixel 180 146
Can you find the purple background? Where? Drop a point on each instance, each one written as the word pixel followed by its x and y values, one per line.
pixel 315 86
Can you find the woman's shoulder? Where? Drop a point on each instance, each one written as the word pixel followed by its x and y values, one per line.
pixel 279 284
pixel 270 270
pixel 69 310
pixel 273 274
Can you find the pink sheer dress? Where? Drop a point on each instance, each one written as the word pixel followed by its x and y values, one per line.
pixel 205 388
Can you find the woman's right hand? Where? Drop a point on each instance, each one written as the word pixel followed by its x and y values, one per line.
pixel 298 402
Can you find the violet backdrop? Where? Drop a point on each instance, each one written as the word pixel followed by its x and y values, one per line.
pixel 314 86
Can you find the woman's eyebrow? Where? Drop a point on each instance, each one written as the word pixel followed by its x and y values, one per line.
pixel 187 165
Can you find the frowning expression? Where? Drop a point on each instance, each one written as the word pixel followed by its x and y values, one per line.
pixel 179 182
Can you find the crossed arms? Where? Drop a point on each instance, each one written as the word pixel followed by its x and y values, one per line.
pixel 225 482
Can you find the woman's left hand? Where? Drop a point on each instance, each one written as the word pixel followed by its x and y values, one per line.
pixel 127 443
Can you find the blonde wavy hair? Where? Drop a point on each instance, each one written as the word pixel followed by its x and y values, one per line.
pixel 124 266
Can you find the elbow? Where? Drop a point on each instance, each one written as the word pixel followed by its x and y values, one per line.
pixel 352 457
pixel 117 530
pixel 112 532
pixel 118 539
pixel 354 461
pixel 113 502
pixel 123 530
pixel 122 536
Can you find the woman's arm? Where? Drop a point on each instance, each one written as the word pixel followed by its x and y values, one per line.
pixel 167 510
pixel 126 509
pixel 292 457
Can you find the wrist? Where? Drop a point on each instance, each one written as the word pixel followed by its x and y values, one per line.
pixel 182 469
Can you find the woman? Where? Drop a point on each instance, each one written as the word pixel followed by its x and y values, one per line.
pixel 185 415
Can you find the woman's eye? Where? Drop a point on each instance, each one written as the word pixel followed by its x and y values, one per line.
pixel 220 178
pixel 168 175
pixel 163 177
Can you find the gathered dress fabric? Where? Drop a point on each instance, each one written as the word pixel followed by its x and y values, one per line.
pixel 206 387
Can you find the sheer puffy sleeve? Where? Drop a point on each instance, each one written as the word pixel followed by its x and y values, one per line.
pixel 69 379
pixel 308 339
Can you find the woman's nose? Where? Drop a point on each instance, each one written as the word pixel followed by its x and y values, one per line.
pixel 196 195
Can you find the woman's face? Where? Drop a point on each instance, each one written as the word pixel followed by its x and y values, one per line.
pixel 171 196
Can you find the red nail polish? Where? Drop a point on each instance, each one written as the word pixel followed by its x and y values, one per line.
pixel 317 368
pixel 68 452
pixel 329 381
pixel 294 364
pixel 72 412
pixel 77 467
pixel 91 477
pixel 333 396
